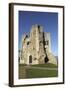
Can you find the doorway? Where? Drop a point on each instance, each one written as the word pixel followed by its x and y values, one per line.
pixel 46 59
pixel 30 59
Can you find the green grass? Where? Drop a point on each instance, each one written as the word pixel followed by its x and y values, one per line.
pixel 41 65
pixel 45 65
pixel 22 72
pixel 37 73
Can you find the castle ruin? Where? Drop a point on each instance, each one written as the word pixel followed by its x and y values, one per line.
pixel 36 47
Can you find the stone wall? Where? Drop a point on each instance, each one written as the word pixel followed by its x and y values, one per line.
pixel 36 47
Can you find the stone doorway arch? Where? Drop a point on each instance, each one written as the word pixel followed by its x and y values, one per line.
pixel 30 59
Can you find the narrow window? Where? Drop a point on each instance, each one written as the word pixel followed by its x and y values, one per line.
pixel 46 42
pixel 27 43
pixel 39 28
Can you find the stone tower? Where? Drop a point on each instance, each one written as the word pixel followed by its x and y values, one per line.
pixel 36 36
pixel 36 47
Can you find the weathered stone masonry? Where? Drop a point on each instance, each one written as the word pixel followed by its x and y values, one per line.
pixel 36 47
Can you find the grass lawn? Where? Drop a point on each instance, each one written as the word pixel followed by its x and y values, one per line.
pixel 37 73
pixel 45 65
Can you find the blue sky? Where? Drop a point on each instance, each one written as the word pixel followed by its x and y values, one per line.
pixel 48 20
